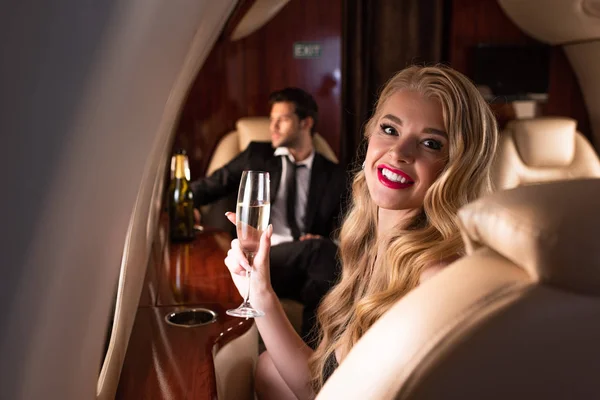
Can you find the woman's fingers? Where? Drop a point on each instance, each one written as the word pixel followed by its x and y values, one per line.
pixel 237 264
pixel 234 266
pixel 236 261
pixel 264 248
pixel 230 216
pixel 236 251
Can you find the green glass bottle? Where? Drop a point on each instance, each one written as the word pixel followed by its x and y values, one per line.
pixel 181 200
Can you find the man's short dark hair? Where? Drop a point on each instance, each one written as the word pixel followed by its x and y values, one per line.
pixel 304 104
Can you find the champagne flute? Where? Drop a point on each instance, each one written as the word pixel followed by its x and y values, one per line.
pixel 252 218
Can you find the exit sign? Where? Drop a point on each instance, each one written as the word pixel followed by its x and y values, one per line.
pixel 307 50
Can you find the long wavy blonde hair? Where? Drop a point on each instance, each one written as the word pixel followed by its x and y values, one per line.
pixel 370 282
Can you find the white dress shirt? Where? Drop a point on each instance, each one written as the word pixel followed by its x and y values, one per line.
pixel 281 231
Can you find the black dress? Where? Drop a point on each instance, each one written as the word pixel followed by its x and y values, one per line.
pixel 330 365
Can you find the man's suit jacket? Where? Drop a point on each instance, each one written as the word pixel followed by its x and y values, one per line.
pixel 326 194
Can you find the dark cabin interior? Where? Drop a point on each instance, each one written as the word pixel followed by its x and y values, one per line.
pixel 362 44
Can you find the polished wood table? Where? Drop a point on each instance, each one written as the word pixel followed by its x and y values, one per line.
pixel 172 362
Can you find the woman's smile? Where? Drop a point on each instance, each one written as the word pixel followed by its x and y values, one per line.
pixel 393 178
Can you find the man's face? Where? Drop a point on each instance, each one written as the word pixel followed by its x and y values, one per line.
pixel 286 127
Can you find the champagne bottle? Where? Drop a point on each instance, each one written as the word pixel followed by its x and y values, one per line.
pixel 181 200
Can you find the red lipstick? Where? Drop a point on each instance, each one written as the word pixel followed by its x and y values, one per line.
pixel 393 184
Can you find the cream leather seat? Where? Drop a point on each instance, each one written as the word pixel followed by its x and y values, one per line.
pixel 517 318
pixel 543 149
pixel 253 129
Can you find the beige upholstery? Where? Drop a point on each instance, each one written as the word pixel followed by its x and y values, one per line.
pixel 543 149
pixel 234 367
pixel 555 21
pixel 254 129
pixel 517 318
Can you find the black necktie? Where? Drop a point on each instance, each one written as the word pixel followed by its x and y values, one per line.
pixel 291 197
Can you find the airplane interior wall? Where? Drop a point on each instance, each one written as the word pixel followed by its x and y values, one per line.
pixel 238 76
pixel 484 21
pixel 90 93
pixel 585 57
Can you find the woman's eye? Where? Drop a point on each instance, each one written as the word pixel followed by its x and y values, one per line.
pixel 433 144
pixel 388 130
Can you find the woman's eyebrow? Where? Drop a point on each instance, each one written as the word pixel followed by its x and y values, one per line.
pixel 432 131
pixel 393 118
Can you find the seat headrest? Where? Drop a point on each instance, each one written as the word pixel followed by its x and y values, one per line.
pixel 256 129
pixel 253 129
pixel 551 230
pixel 545 142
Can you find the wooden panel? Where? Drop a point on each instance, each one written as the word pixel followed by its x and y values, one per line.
pixel 479 21
pixel 565 94
pixel 149 295
pixel 169 362
pixel 483 21
pixel 237 77
pixel 196 273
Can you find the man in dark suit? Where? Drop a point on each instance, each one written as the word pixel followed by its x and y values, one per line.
pixel 307 192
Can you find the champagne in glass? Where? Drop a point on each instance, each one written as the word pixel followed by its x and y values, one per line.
pixel 252 219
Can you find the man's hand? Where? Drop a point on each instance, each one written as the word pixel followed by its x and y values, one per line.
pixel 309 236
pixel 197 226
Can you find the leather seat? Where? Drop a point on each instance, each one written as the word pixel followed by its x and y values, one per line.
pixel 253 129
pixel 517 318
pixel 543 149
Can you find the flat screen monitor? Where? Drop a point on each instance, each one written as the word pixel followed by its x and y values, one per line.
pixel 512 72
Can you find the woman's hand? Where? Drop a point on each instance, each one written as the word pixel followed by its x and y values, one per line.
pixel 238 264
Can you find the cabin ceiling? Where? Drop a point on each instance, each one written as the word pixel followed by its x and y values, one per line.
pixel 556 21
pixel 574 24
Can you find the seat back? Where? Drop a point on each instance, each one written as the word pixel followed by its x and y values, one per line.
pixel 517 318
pixel 234 366
pixel 543 149
pixel 254 129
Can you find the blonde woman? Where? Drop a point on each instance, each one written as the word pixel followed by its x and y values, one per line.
pixel 430 144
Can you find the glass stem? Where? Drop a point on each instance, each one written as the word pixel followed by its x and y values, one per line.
pixel 250 257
